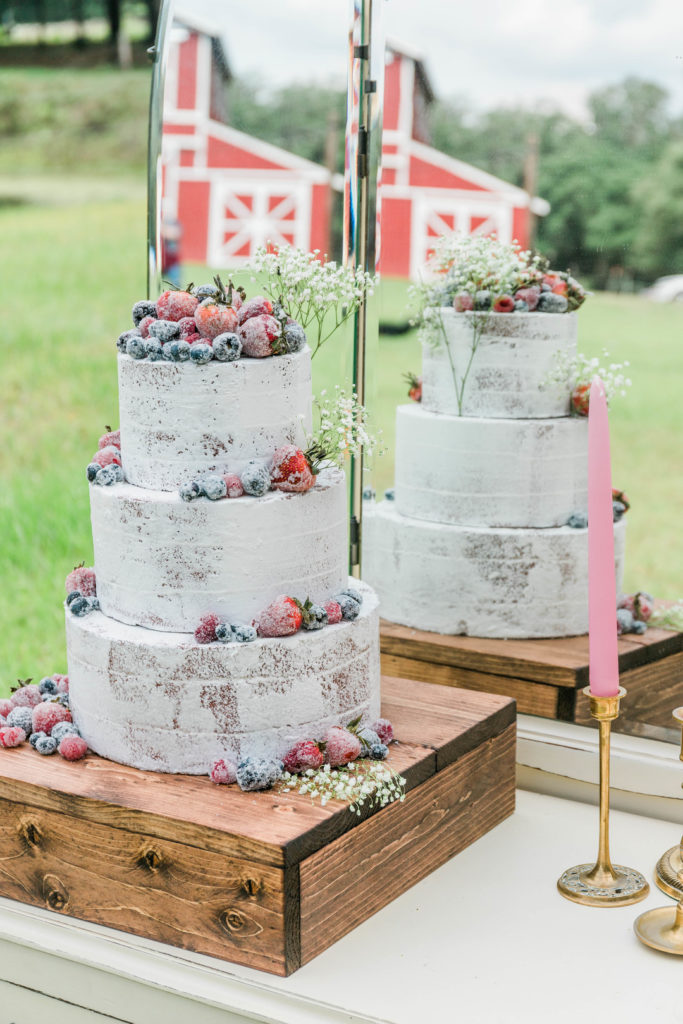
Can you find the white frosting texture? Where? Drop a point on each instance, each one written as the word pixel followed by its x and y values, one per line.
pixel 179 419
pixel 161 702
pixel 515 353
pixel 164 563
pixel 490 472
pixel 480 581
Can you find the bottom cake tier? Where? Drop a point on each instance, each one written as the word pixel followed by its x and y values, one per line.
pixel 480 581
pixel 162 702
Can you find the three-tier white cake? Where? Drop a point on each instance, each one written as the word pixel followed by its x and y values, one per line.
pixel 487 476
pixel 143 691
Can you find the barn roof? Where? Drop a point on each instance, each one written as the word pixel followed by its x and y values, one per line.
pixel 418 58
pixel 194 24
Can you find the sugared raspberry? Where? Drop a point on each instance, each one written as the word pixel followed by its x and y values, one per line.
pixel 145 324
pixel 254 307
pixel 205 633
pixel 259 336
pixel 187 326
pixel 223 772
pixel 81 579
pixel 174 305
pixel 5 707
pixel 194 339
pixel 111 455
pixel 341 746
pixel 62 683
pixel 384 730
pixel 282 617
pixel 334 612
pixel 47 714
pixel 304 755
pixel 26 696
pixel 11 736
pixel 213 318
pixel 73 748
pixel 291 471
pixel 111 438
pixel 234 485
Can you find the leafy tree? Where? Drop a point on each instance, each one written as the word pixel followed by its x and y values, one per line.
pixel 659 234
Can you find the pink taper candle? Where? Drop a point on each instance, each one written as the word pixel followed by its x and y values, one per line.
pixel 602 590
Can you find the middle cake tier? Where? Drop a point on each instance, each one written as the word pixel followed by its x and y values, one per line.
pixel 164 563
pixel 471 471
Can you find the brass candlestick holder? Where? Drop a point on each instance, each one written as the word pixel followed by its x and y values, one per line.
pixel 603 884
pixel 670 864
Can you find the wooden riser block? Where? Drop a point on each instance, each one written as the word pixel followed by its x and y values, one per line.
pixel 259 879
pixel 545 677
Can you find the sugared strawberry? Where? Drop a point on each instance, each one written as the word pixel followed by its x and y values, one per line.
pixel 260 336
pixel 26 694
pixel 234 485
pixel 341 746
pixel 254 307
pixel 73 748
pixel 5 707
pixel 144 325
pixel 12 736
pixel 47 714
pixel 384 730
pixel 111 455
pixel 504 304
pixel 83 579
pixel 205 633
pixel 291 471
pixel 334 612
pixel 112 439
pixel 580 399
pixel 174 305
pixel 463 302
pixel 414 386
pixel 530 295
pixel 304 755
pixel 213 317
pixel 282 617
pixel 223 772
pixel 187 326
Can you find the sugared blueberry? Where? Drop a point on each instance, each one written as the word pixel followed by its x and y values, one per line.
pixel 225 633
pixel 48 685
pixel 625 620
pixel 123 339
pixel 177 351
pixel 108 475
pixel 244 634
pixel 549 302
pixel 214 486
pixel 62 729
pixel 258 773
pixel 142 309
pixel 227 347
pixel 255 479
pixel 201 353
pixel 191 490
pixel 618 509
pixel 164 330
pixel 154 349
pixel 135 347
pixel 315 618
pixel 483 299
pixel 46 745
pixel 350 609
pixel 578 520
pixel 72 595
pixel 294 337
pixel 92 470
pixel 22 717
pixel 35 736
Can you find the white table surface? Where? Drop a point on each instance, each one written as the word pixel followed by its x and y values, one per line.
pixel 485 939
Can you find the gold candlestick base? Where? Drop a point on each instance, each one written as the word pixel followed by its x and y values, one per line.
pixel 662 929
pixel 603 884
pixel 669 870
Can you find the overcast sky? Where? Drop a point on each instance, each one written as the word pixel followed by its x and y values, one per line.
pixel 495 53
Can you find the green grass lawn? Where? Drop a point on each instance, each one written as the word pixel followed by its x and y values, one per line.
pixel 72 272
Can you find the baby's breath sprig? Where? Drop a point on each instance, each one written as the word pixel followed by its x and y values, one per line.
pixel 342 427
pixel 572 371
pixel 360 784
pixel 668 618
pixel 317 293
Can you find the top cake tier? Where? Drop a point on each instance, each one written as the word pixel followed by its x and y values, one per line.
pixel 179 420
pixel 510 357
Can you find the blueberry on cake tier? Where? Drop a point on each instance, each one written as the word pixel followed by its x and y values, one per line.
pixel 222 624
pixel 486 533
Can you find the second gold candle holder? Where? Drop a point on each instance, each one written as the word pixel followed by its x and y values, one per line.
pixel 603 884
pixel 669 870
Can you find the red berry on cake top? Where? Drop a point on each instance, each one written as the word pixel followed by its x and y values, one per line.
pixel 334 612
pixel 109 456
pixel 112 439
pixel 254 307
pixel 260 336
pixel 82 579
pixel 504 304
pixel 176 305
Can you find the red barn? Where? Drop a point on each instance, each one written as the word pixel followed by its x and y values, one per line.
pixel 230 192
pixel 425 193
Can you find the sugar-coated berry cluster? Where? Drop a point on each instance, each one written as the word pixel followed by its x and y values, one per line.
pixel 283 617
pixel 210 322
pixel 634 611
pixel 552 292
pixel 81 591
pixel 105 469
pixel 290 469
pixel 620 505
pixel 340 746
pixel 40 714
